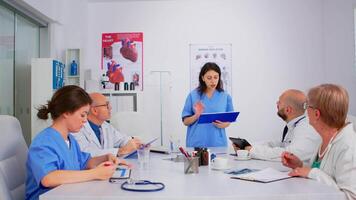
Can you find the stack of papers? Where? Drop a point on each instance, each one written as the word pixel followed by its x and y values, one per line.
pixel 264 176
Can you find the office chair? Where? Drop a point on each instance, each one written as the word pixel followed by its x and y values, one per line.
pixel 130 123
pixel 13 155
pixel 352 119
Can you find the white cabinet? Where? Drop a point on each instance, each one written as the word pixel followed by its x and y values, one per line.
pixel 47 75
pixel 72 78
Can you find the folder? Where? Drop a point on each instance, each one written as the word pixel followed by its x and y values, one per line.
pixel 221 116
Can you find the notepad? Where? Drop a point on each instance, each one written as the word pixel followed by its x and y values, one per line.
pixel 122 172
pixel 263 176
pixel 221 116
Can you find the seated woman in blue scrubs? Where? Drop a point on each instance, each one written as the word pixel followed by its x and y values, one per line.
pixel 208 97
pixel 54 157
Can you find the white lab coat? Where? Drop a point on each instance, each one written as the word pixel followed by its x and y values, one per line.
pixel 301 140
pixel 112 140
pixel 338 166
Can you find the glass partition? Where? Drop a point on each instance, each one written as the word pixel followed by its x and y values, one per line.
pixel 7 31
pixel 19 43
pixel 26 47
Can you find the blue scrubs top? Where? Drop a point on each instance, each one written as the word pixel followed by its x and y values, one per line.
pixel 206 135
pixel 49 152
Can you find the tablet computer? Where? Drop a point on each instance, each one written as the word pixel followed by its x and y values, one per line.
pixel 134 153
pixel 221 116
pixel 239 142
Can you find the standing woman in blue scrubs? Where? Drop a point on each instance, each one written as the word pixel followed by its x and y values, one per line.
pixel 54 157
pixel 208 97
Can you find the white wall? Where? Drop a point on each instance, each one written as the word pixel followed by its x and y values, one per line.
pixel 339 46
pixel 276 45
pixel 68 29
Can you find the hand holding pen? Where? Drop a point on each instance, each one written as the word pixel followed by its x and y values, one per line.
pixel 290 160
pixel 104 171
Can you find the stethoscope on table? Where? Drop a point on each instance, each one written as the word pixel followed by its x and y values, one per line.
pixel 142 186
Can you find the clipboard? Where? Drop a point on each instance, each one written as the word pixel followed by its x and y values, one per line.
pixel 133 154
pixel 267 175
pixel 260 181
pixel 221 116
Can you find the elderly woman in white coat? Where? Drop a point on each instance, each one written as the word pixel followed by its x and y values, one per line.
pixel 334 162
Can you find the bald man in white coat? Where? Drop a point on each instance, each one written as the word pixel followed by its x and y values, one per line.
pixel 299 136
pixel 98 137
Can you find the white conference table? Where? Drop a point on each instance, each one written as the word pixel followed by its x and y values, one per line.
pixel 207 184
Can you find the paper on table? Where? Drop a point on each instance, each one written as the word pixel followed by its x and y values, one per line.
pixel 264 176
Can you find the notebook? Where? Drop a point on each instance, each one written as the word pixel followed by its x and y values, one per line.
pixel 263 176
pixel 221 116
pixel 122 172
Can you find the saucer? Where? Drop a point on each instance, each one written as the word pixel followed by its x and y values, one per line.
pixel 246 158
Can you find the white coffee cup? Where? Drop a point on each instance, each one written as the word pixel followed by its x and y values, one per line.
pixel 242 154
pixel 219 163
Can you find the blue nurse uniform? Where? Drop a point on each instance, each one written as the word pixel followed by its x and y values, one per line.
pixel 49 152
pixel 206 135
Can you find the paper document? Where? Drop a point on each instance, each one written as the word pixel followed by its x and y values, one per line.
pixel 264 176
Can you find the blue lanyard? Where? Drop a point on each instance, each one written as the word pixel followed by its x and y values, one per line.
pixel 160 185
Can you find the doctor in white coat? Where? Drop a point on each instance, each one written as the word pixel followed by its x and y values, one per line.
pixel 98 137
pixel 298 136
pixel 334 162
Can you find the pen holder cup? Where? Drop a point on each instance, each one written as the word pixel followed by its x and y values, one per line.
pixel 191 165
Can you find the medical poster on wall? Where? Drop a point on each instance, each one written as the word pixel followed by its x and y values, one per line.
pixel 122 60
pixel 57 74
pixel 218 53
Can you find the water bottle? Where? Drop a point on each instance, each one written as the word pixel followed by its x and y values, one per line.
pixel 73 68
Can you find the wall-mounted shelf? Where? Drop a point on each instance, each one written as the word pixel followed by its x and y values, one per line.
pixel 72 54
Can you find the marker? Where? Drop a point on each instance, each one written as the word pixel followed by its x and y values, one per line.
pixel 183 152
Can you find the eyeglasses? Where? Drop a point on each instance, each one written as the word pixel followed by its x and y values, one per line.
pixel 306 106
pixel 107 104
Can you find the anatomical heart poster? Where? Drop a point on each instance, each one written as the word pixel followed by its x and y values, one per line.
pixel 122 60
